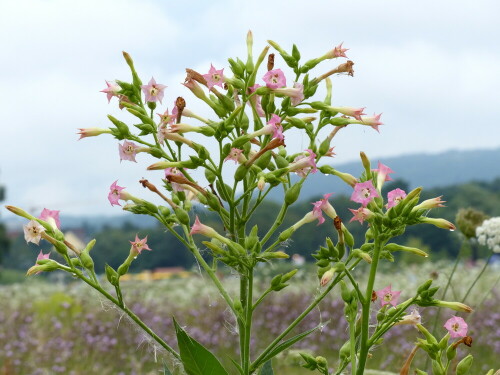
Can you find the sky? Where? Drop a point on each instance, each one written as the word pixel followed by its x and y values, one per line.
pixel 431 68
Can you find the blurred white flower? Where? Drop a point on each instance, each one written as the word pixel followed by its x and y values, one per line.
pixel 488 234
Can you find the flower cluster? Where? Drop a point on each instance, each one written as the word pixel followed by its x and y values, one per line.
pixel 488 234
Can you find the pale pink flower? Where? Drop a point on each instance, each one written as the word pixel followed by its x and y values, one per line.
pixel 174 172
pixel 51 217
pixel 127 151
pixel 115 193
pixel 350 111
pixel 303 164
pixel 235 155
pixel 364 192
pixel 394 197
pixel 153 91
pixel 183 128
pixel 111 90
pixel 373 121
pixel 41 256
pixel 339 51
pixel 388 296
pixel 277 129
pixel 430 203
pixel 296 93
pixel 138 245
pixel 456 326
pixel 33 232
pixel 256 101
pixel 36 269
pixel 413 318
pixel 205 230
pixel 167 118
pixel 361 214
pixel 324 205
pixel 92 132
pixel 274 79
pixel 214 77
pixel 382 174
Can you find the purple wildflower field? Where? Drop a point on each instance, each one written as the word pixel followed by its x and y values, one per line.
pixel 56 328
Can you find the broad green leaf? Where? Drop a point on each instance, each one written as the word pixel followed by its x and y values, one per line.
pixel 267 369
pixel 286 344
pixel 197 360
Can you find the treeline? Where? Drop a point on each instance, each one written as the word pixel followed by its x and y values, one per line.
pixel 113 243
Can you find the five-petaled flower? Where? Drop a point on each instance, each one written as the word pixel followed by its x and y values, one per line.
pixel 274 79
pixel 153 91
pixel 303 164
pixel 364 192
pixel 456 326
pixel 111 90
pixel 33 232
pixel 323 205
pixel 138 245
pixel 382 174
pixel 166 118
pixel 51 217
pixel 339 51
pixel 350 111
pixel 205 230
pixel 296 93
pixel 115 193
pixel 236 155
pixel 394 197
pixel 361 214
pixel 214 77
pixel 127 151
pixel 373 121
pixel 388 296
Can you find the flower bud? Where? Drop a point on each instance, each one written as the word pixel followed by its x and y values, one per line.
pixel 440 223
pixel 293 193
pixel 286 234
pixel 111 275
pixel 457 306
pixel 464 365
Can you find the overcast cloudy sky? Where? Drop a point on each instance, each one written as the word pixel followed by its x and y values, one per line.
pixel 431 67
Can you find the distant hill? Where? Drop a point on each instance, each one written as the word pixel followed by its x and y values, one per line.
pixel 426 170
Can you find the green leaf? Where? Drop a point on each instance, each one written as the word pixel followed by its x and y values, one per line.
pixel 166 371
pixel 197 360
pixel 237 365
pixel 267 369
pixel 286 344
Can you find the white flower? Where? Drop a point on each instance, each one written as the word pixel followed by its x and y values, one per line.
pixel 33 232
pixel 488 234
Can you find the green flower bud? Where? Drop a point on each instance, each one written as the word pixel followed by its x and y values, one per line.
pixel 111 275
pixel 182 215
pixel 210 176
pixel 286 234
pixel 240 172
pixel 451 352
pixel 86 260
pixel 293 193
pixel 437 369
pixel 464 365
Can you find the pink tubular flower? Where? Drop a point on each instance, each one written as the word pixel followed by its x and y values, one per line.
pixel 456 326
pixel 388 296
pixel 166 118
pixel 205 230
pixel 364 192
pixel 337 52
pixel 115 193
pixel 33 232
pixel 430 203
pixel 255 100
pixel 373 121
pixel 350 111
pixel 296 93
pixel 324 206
pixel 36 269
pixel 330 152
pixel 273 127
pixel 394 197
pixel 51 217
pixel 127 151
pixel 92 132
pixel 153 91
pixel 274 79
pixel 361 214
pixel 138 245
pixel 303 164
pixel 236 155
pixel 111 90
pixel 214 77
pixel 382 174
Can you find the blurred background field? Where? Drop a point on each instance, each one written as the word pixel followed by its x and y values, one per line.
pixel 63 327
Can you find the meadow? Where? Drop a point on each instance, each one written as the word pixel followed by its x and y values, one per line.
pixel 49 327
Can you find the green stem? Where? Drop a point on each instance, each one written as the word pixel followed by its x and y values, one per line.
pixel 248 322
pixel 276 224
pixel 261 298
pixel 352 339
pixel 241 323
pixel 132 316
pixel 477 278
pixel 365 322
pixel 361 298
